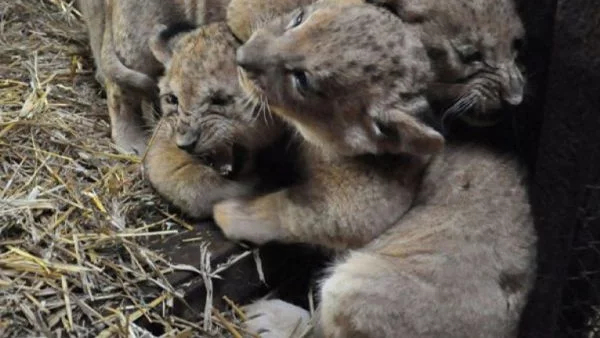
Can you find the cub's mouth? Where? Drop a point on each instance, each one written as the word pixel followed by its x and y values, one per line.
pixel 228 161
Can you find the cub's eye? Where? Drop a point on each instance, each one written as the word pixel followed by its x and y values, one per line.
pixel 300 81
pixel 518 44
pixel 171 99
pixel 469 54
pixel 297 20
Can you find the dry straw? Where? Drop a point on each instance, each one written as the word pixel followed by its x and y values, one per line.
pixel 75 216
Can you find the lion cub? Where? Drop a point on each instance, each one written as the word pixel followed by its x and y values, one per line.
pixel 474 47
pixel 365 153
pixel 119 31
pixel 205 147
pixel 439 248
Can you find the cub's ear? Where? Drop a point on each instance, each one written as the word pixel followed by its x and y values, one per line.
pixel 410 11
pixel 399 132
pixel 164 39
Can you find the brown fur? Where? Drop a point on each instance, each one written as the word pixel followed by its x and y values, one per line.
pixel 119 31
pixel 459 259
pixel 193 151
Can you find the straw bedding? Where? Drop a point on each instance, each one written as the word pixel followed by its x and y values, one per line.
pixel 76 217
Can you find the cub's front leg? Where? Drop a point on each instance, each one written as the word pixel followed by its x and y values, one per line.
pixel 339 206
pixel 184 180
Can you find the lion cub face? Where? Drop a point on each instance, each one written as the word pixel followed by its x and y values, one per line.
pixel 201 89
pixel 474 47
pixel 350 78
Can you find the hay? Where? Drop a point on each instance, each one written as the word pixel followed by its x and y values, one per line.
pixel 75 216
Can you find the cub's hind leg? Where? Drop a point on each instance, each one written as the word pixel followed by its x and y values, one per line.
pixel 354 304
pixel 358 300
pixel 419 293
pixel 412 292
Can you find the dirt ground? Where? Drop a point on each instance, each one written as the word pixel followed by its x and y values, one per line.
pixel 75 216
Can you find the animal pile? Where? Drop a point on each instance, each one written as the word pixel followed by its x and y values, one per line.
pixel 325 123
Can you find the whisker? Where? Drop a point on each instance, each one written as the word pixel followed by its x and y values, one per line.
pixel 248 102
pixel 268 111
pixel 460 106
pixel 263 109
pixel 256 112
pixel 487 92
pixel 491 76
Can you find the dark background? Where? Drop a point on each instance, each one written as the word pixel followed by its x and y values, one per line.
pixel 559 130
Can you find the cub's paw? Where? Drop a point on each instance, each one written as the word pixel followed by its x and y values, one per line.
pixel 276 319
pixel 243 220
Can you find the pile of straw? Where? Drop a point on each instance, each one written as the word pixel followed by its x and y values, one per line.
pixel 75 216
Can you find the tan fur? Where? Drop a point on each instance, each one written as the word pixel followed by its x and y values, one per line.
pixel 200 67
pixel 458 260
pixel 362 165
pixel 119 31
